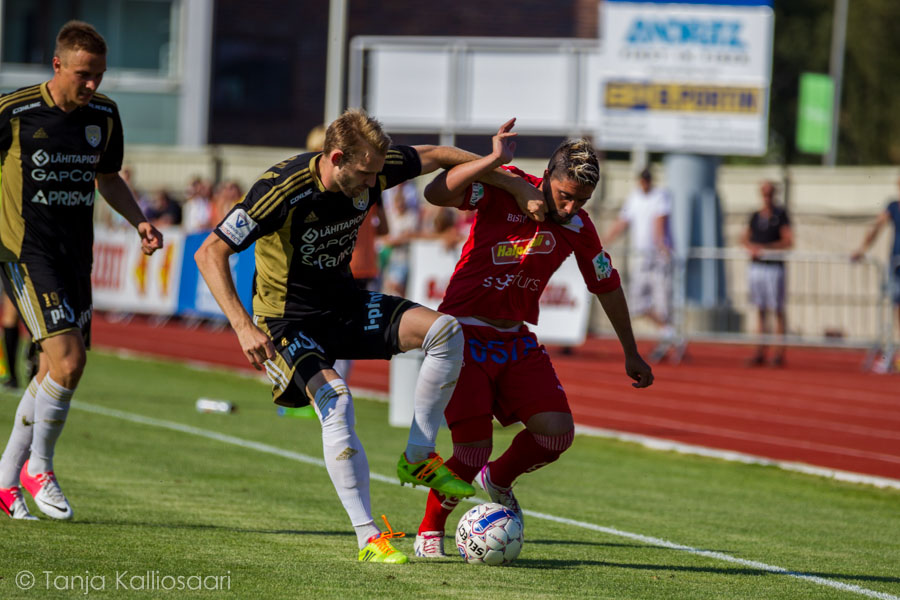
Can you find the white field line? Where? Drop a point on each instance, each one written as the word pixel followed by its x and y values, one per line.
pixel 646 441
pixel 649 540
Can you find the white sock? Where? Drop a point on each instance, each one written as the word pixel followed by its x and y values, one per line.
pixel 345 457
pixel 343 368
pixel 364 532
pixel 443 346
pixel 19 445
pixel 51 406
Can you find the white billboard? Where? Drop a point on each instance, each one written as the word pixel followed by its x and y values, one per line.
pixel 124 279
pixel 688 76
pixel 565 303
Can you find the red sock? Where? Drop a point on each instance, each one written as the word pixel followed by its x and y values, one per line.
pixel 527 453
pixel 438 507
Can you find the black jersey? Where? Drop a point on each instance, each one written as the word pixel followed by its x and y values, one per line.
pixel 49 159
pixel 305 235
pixel 765 230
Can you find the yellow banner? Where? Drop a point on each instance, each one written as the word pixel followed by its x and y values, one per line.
pixel 683 97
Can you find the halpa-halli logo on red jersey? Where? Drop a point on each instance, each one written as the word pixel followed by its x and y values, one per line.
pixel 514 251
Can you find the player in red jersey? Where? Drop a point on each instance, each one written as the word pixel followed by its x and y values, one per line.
pixel 505 265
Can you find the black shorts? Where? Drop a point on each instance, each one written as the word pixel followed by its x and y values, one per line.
pixel 368 328
pixel 50 301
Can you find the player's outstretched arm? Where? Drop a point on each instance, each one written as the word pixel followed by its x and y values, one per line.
pixel 442 157
pixel 616 308
pixel 871 235
pixel 212 261
pixel 118 195
pixel 615 230
pixel 448 188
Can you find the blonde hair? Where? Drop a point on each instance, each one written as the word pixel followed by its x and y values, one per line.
pixel 350 132
pixel 78 35
pixel 575 159
pixel 315 140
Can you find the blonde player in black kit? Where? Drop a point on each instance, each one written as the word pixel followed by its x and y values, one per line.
pixel 304 214
pixel 56 140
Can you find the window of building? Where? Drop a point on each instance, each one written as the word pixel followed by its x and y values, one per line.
pixel 139 32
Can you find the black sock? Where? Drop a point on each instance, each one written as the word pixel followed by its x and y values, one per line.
pixel 11 340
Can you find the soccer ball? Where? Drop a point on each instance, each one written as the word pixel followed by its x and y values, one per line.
pixel 489 534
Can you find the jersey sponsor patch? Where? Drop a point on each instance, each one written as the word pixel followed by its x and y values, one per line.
pixel 299 197
pixel 602 266
pixel 64 198
pixel 477 193
pixel 505 253
pixel 40 158
pixel 237 226
pixel 100 107
pixel 23 108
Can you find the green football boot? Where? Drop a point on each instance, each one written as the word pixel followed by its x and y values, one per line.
pixel 433 473
pixel 380 550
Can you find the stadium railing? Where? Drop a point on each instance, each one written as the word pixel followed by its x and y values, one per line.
pixel 831 301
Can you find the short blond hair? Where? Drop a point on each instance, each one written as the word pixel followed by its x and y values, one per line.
pixel 315 139
pixel 78 35
pixel 351 131
pixel 575 159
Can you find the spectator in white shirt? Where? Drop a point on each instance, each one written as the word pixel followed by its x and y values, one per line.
pixel 646 215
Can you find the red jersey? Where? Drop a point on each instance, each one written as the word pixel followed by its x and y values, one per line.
pixel 508 258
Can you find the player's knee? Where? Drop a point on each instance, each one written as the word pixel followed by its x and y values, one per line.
pixel 550 423
pixel 335 406
pixel 444 338
pixel 67 370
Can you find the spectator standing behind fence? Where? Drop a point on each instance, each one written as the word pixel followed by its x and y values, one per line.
pixel 890 214
pixel 769 229
pixel 403 223
pixel 646 214
pixel 197 206
pixel 162 210
pixel 225 196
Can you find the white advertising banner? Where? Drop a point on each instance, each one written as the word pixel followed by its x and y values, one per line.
pixel 691 76
pixel 565 303
pixel 125 279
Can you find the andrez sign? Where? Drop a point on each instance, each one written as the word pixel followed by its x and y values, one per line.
pixel 692 75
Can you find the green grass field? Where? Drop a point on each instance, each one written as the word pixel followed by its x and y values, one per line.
pixel 162 496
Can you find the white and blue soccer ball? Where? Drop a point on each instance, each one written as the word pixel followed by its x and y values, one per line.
pixel 489 534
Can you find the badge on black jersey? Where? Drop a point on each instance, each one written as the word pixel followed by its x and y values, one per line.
pixel 93 135
pixel 361 202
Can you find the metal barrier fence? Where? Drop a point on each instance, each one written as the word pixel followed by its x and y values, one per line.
pixel 891 354
pixel 831 301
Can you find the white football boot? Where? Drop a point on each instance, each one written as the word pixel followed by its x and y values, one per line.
pixel 430 544
pixel 44 488
pixel 13 504
pixel 499 494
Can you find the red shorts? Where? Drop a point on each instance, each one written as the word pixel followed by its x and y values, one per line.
pixel 507 375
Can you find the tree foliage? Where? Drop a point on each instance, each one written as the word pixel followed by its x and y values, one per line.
pixel 869 130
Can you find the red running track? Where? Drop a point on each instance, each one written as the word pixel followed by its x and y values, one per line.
pixel 820 409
